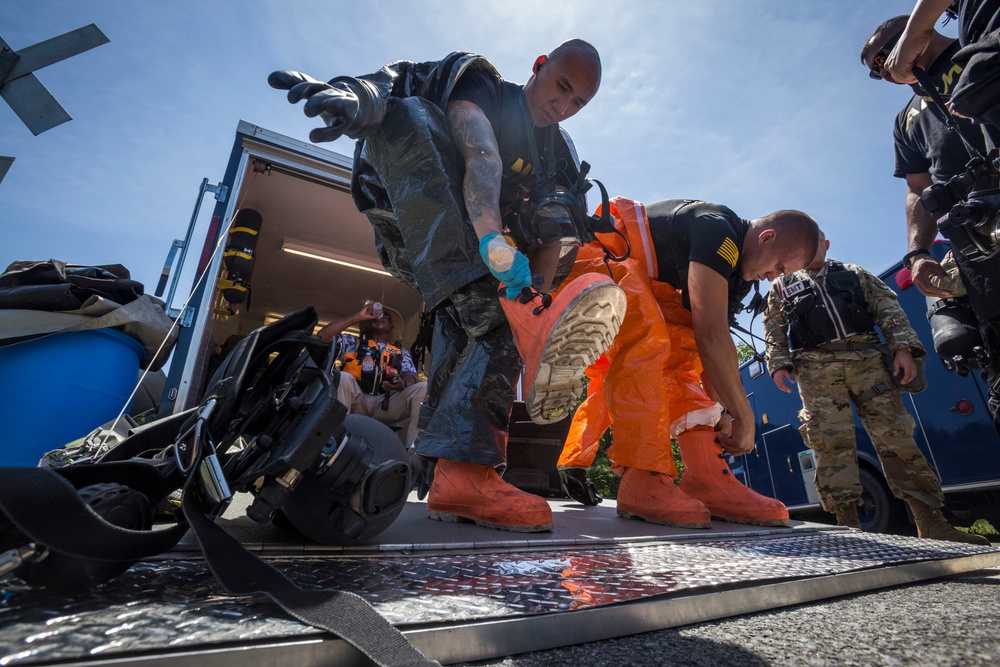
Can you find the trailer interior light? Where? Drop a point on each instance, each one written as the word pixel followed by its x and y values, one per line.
pixel 274 317
pixel 270 317
pixel 326 255
pixel 964 407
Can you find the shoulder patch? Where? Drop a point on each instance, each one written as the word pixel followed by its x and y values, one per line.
pixel 729 252
pixel 795 288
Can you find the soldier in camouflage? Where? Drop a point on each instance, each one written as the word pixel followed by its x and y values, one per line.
pixel 820 329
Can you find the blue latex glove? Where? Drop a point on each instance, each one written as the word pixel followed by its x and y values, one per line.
pixel 506 263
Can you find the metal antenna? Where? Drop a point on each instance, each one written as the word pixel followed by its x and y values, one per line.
pixel 25 94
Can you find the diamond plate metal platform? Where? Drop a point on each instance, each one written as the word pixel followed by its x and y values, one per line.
pixel 463 593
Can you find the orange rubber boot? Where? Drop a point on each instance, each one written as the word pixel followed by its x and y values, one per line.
pixel 474 492
pixel 708 478
pixel 654 497
pixel 558 342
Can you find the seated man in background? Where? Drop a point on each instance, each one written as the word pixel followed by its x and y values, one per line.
pixel 379 379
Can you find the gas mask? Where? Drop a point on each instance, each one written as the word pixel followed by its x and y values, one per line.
pixel 553 215
pixel 973 225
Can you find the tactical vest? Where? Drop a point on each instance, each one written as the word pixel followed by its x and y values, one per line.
pixel 518 178
pixel 386 366
pixel 824 311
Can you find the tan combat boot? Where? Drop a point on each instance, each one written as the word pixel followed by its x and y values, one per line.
pixel 932 525
pixel 654 497
pixel 708 478
pixel 474 492
pixel 848 516
pixel 559 337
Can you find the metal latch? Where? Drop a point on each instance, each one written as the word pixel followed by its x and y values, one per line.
pixel 184 317
pixel 221 191
pixel 12 559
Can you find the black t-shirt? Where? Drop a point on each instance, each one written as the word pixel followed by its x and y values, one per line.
pixel 709 234
pixel 503 104
pixel 976 18
pixel 923 143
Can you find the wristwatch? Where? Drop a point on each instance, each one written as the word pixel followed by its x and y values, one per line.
pixel 908 257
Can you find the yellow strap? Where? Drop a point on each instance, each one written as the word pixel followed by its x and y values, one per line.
pixel 229 284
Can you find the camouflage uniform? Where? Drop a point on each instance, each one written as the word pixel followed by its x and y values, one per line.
pixel 828 380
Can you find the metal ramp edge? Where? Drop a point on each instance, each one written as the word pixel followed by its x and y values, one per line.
pixel 458 607
pixel 480 641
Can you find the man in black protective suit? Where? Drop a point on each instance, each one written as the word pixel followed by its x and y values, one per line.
pixel 448 155
pixel 975 231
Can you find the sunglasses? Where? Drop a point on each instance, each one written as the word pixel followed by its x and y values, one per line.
pixel 883 54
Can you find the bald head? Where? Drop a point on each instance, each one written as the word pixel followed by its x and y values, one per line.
pixel 581 50
pixel 778 243
pixel 562 82
pixel 795 227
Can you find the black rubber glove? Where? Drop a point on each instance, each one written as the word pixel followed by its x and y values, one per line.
pixel 422 475
pixel 348 106
pixel 578 486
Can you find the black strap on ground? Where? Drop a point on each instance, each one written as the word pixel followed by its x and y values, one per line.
pixel 45 506
pixel 346 615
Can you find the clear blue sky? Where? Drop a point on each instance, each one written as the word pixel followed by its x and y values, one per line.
pixel 756 104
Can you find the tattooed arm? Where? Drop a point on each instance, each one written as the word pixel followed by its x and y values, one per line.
pixel 477 144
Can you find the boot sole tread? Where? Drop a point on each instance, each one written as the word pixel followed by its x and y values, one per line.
pixel 584 332
pixel 449 517
pixel 676 524
pixel 753 522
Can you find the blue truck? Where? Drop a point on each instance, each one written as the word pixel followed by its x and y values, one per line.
pixel 954 431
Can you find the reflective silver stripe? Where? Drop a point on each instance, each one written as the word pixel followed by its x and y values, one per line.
pixel 647 244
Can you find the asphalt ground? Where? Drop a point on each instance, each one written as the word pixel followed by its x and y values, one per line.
pixel 945 622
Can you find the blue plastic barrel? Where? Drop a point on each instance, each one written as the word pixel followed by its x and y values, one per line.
pixel 58 388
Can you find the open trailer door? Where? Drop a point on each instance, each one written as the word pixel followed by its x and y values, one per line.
pixel 313 247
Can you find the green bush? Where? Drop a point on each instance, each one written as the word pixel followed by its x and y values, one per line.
pixel 600 471
pixel 982 527
pixel 606 481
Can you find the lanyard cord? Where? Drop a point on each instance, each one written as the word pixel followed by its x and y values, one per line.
pixel 938 103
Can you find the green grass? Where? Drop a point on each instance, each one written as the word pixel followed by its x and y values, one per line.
pixel 607 482
pixel 982 527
